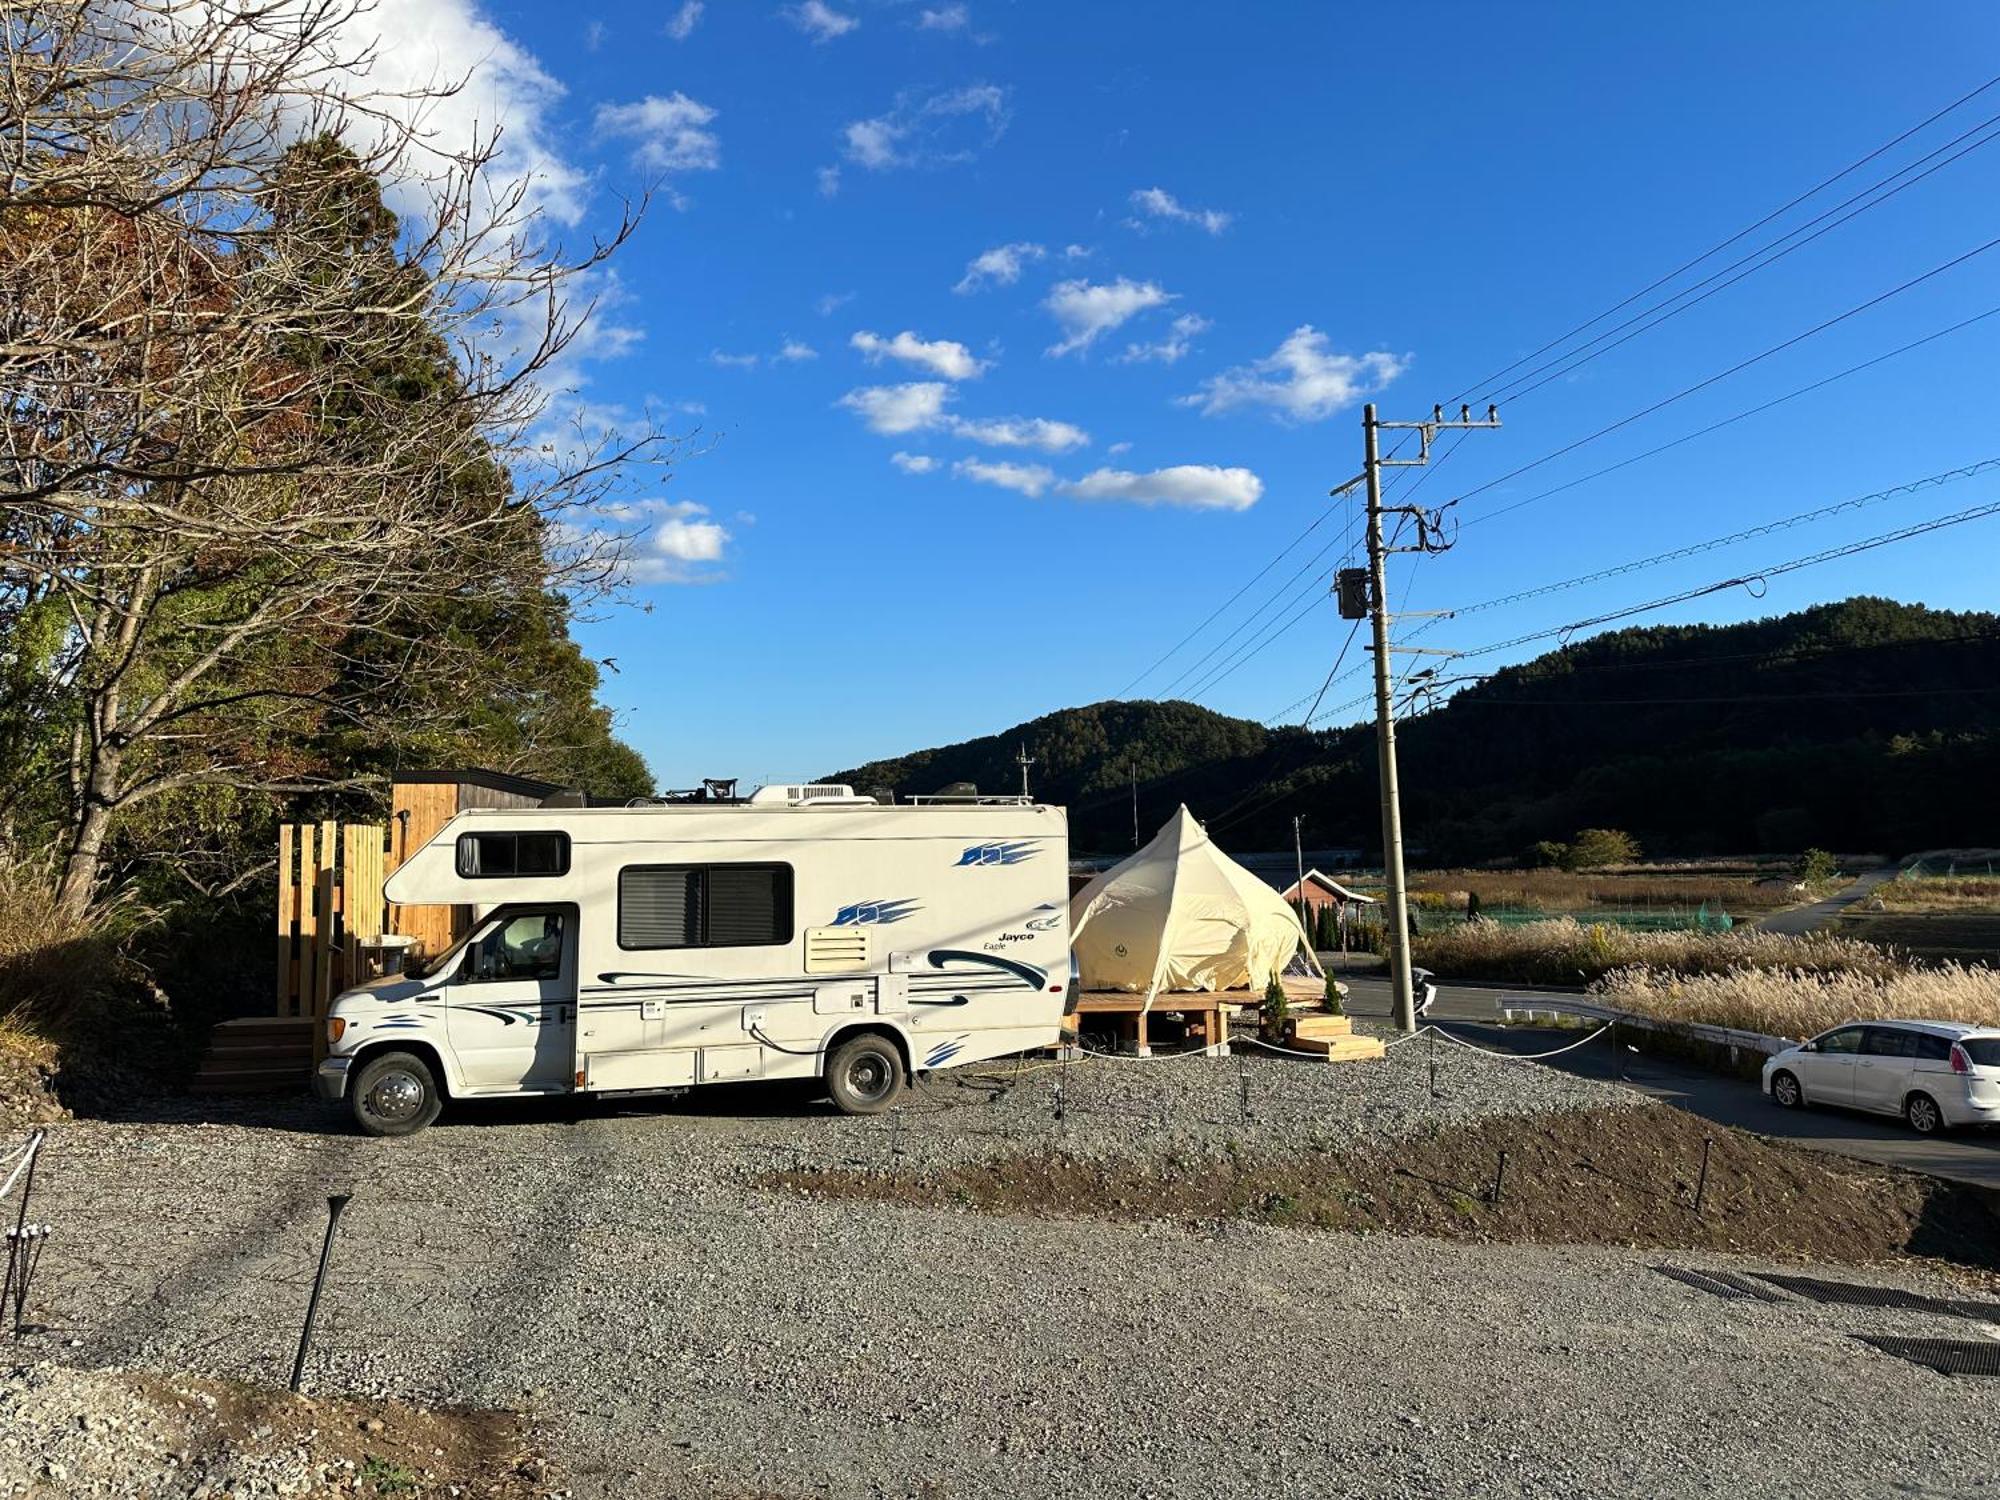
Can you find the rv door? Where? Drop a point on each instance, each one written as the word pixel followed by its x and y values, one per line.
pixel 511 1004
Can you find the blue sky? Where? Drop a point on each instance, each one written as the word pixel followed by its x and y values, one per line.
pixel 1238 224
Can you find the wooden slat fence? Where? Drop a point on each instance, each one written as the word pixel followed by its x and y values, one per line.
pixel 329 893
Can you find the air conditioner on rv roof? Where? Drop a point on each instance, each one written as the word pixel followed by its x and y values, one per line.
pixel 800 793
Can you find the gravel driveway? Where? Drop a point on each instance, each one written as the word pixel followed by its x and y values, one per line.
pixel 681 1332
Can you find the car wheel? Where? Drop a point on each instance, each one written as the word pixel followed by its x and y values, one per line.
pixel 865 1075
pixel 395 1093
pixel 1785 1089
pixel 1922 1111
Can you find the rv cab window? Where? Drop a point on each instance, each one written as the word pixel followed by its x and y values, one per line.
pixel 528 946
pixel 487 856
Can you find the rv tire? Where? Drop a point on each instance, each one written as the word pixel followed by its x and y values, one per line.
pixel 395 1093
pixel 864 1075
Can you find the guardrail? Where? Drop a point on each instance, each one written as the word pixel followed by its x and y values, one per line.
pixel 1515 1007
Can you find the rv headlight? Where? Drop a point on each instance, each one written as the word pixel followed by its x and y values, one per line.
pixel 336 1028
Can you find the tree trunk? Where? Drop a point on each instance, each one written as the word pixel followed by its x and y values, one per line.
pixel 86 850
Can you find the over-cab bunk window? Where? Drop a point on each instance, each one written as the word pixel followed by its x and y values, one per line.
pixel 491 856
pixel 704 906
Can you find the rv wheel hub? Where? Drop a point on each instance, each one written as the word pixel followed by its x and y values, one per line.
pixel 396 1096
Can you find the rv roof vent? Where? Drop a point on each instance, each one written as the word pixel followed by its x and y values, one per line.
pixel 798 794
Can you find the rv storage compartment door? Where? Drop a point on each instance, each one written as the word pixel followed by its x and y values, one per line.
pixel 663 1069
pixel 840 999
pixel 719 1063
pixel 892 993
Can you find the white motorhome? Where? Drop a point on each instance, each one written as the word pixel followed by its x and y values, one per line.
pixel 804 932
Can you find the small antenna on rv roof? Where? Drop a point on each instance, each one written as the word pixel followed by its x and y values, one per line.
pixel 1026 760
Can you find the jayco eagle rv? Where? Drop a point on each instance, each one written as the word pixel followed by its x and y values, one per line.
pixel 803 932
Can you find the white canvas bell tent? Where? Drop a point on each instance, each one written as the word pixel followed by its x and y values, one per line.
pixel 1181 915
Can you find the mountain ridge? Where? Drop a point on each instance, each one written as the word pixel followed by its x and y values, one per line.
pixel 1859 723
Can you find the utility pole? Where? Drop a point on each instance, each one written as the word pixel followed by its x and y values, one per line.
pixel 1299 853
pixel 1428 540
pixel 1133 767
pixel 1026 760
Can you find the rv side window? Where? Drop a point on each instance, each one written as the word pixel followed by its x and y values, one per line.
pixel 489 856
pixel 704 906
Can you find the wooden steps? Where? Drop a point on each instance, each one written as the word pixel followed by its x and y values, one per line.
pixel 1321 1027
pixel 1336 1049
pixel 257 1055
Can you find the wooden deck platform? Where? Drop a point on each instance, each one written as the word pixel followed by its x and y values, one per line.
pixel 1207 1015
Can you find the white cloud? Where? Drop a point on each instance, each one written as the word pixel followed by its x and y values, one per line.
pixel 1117 448
pixel 494 83
pixel 670 541
pixel 944 18
pixel 1019 432
pixel 671 131
pixel 1302 381
pixel 828 179
pixel 734 361
pixel 1027 479
pixel 1158 203
pixel 832 302
pixel 819 20
pixel 930 130
pixel 913 463
pixel 943 357
pixel 681 24
pixel 1195 486
pixel 593 36
pixel 1169 350
pixel 1000 266
pixel 794 351
pixel 1087 309
pixel 894 409
pixel 1077 252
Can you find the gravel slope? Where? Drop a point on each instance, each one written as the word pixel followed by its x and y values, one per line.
pixel 683 1333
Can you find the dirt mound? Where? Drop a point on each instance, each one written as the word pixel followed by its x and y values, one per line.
pixel 1595 1177
pixel 27 1085
pixel 121 1432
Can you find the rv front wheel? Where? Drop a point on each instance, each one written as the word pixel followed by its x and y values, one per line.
pixel 864 1075
pixel 395 1094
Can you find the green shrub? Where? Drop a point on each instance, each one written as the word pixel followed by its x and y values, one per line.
pixel 1333 1005
pixel 1594 848
pixel 1816 867
pixel 1277 1010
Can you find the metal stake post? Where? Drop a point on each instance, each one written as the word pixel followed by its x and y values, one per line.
pixel 334 1205
pixel 1701 1183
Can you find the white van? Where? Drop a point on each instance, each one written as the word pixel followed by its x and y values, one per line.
pixel 802 932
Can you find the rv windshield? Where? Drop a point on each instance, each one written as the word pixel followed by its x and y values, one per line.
pixel 431 967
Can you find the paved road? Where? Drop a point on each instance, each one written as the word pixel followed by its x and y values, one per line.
pixel 1468 1012
pixel 1800 920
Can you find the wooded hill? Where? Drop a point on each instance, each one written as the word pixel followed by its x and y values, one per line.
pixel 1860 724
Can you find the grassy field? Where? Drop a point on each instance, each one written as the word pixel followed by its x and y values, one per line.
pixel 1799 1003
pixel 1912 892
pixel 1736 890
pixel 1564 951
pixel 1965 937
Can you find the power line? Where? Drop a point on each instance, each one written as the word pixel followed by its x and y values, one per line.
pixel 1734 369
pixel 1761 576
pixel 1318 521
pixel 1938 692
pixel 1556 368
pixel 1786 523
pixel 1804 390
pixel 1751 229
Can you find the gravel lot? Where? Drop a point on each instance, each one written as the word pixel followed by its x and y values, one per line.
pixel 679 1332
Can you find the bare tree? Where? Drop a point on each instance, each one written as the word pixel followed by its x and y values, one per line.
pixel 202 470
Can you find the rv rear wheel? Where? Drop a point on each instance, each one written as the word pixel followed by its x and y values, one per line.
pixel 864 1075
pixel 395 1094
